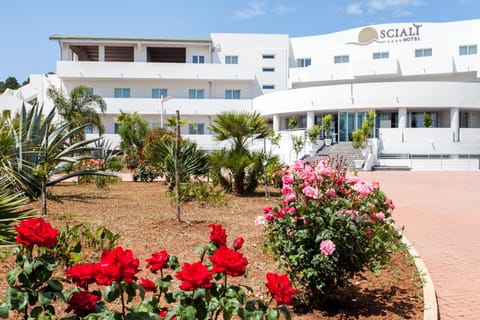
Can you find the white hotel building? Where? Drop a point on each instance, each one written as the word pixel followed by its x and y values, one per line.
pixel 400 70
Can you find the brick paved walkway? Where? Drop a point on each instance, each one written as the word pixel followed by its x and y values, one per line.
pixel 441 215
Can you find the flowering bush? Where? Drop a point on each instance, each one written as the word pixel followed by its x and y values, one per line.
pixel 327 227
pixel 203 293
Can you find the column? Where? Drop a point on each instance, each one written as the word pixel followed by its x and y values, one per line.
pixel 101 53
pixel 402 118
pixel 310 119
pixel 455 123
pixel 276 122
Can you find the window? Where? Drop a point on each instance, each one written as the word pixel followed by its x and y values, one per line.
pixel 423 53
pixel 122 93
pixel 196 93
pixel 268 86
pixel 341 59
pixel 268 56
pixel 198 59
pixel 232 94
pixel 117 128
pixel 196 128
pixel 231 59
pixel 159 93
pixel 380 55
pixel 89 129
pixel 304 62
pixel 268 69
pixel 467 50
pixel 89 92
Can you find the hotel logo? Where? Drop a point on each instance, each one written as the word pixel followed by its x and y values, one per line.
pixel 369 35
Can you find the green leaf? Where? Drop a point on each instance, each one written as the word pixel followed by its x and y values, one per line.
pixel 16 298
pixel 55 285
pixel 45 297
pixel 4 308
pixel 272 314
pixel 286 312
pixel 112 292
pixel 12 275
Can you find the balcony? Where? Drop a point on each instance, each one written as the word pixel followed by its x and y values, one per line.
pixel 379 67
pixel 150 70
pixel 186 106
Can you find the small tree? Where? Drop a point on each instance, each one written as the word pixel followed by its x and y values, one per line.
pixel 427 120
pixel 360 136
pixel 313 133
pixel 326 125
pixel 297 144
pixel 133 129
pixel 292 123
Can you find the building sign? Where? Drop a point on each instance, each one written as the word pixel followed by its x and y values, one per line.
pixel 369 35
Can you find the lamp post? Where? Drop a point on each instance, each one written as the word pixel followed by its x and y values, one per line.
pixel 164 99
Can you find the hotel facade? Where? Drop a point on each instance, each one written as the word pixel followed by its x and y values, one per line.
pixel 403 71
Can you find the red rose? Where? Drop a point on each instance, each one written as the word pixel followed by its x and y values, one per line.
pixel 238 243
pixel 218 236
pixel 148 285
pixel 82 274
pixel 82 303
pixel 164 313
pixel 193 276
pixel 229 261
pixel 158 261
pixel 281 288
pixel 116 265
pixel 36 231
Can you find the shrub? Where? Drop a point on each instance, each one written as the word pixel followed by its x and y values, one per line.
pixel 204 291
pixel 327 227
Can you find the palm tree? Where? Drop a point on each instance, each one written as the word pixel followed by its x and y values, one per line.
pixel 79 108
pixel 239 127
pixel 238 169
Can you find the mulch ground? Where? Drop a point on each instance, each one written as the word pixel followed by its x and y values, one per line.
pixel 146 219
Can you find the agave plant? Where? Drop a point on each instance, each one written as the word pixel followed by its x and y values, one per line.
pixel 11 211
pixel 43 150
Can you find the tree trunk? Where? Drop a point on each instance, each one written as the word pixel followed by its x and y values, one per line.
pixel 177 169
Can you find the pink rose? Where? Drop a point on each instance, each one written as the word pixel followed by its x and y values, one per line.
pixel 290 198
pixel 286 190
pixel 330 192
pixel 260 220
pixel 311 192
pixel 287 179
pixel 379 216
pixel 327 247
pixel 363 189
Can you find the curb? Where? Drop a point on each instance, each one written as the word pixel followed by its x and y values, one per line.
pixel 430 306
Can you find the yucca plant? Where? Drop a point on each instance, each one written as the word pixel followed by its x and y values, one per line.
pixel 12 210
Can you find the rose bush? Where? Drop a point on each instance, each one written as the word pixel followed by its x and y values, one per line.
pixel 328 226
pixel 203 293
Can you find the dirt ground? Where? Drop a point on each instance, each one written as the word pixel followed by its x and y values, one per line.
pixel 146 219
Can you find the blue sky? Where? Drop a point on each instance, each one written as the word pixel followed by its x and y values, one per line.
pixel 27 24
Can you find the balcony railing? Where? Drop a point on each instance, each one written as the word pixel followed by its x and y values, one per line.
pixel 149 70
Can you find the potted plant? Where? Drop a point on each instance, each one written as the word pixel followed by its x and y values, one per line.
pixel 297 144
pixel 326 127
pixel 313 134
pixel 360 137
pixel 427 120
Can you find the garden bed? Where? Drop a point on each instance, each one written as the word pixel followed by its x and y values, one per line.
pixel 145 217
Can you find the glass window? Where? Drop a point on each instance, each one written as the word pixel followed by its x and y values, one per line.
pixel 268 69
pixel 380 55
pixel 117 128
pixel 89 129
pixel 268 86
pixel 196 93
pixel 232 94
pixel 159 93
pixel 304 62
pixel 122 93
pixel 467 50
pixel 89 92
pixel 423 53
pixel 198 59
pixel 268 56
pixel 341 59
pixel 231 59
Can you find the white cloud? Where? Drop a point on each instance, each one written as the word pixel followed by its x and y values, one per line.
pixel 354 8
pixel 255 8
pixel 259 8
